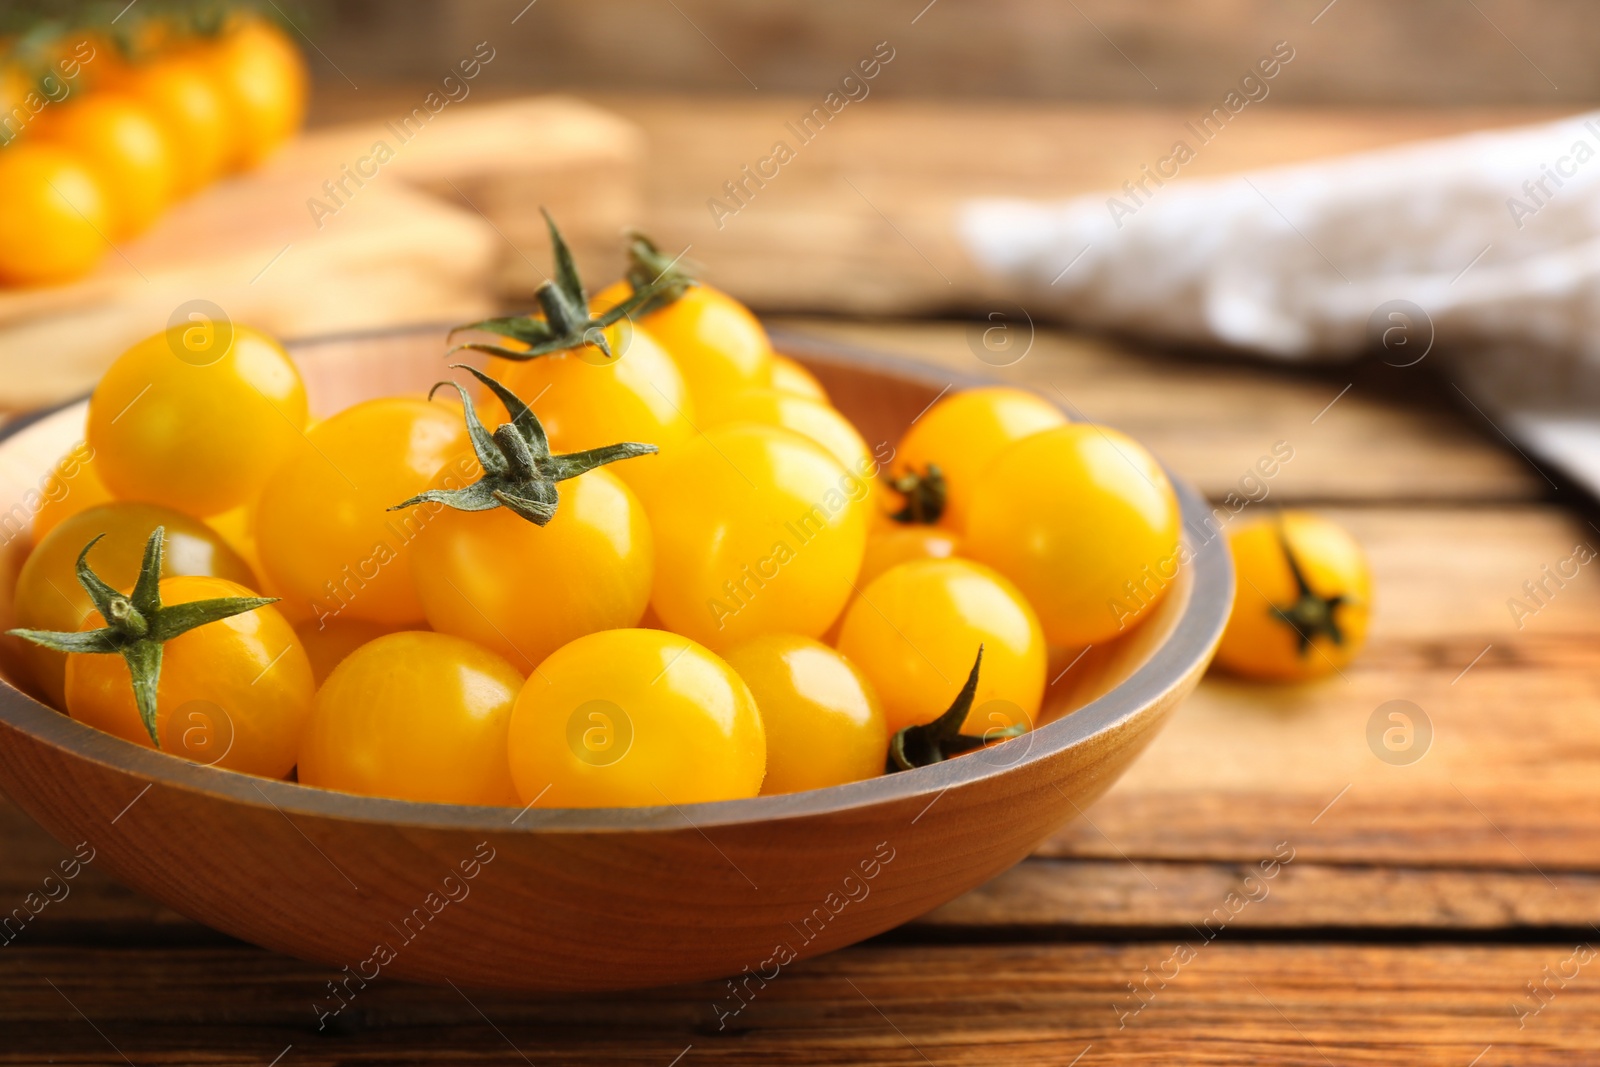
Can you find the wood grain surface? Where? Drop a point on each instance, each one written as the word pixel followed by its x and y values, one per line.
pixel 1421 901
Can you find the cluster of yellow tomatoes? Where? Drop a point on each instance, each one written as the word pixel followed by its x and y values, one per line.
pixel 639 559
pixel 101 132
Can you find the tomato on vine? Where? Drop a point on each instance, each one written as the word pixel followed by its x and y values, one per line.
pixel 263 78
pixel 49 596
pixel 193 109
pixel 589 373
pixel 196 666
pixel 518 565
pixel 720 347
pixel 54 215
pixel 123 140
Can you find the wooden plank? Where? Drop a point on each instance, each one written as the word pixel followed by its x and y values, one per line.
pixel 1510 779
pixel 1030 48
pixel 1389 438
pixel 861 220
pixel 1087 898
pixel 1229 1004
pixel 502 159
pixel 1048 896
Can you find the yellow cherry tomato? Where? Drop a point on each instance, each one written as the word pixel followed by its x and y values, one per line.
pixel 810 419
pixel 238 527
pixel 184 95
pixel 327 541
pixel 585 400
pixel 414 716
pixel 54 215
pixel 1085 521
pixel 892 544
pixel 635 718
pixel 902 544
pixel 758 530
pixel 329 642
pixel 823 722
pixel 789 376
pixel 49 596
pixel 915 631
pixel 1302 598
pixel 962 434
pixel 720 347
pixel 265 81
pixel 122 139
pixel 525 590
pixel 235 693
pixel 73 486
pixel 196 417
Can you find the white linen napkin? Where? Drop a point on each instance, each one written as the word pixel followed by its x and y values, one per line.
pixel 1481 250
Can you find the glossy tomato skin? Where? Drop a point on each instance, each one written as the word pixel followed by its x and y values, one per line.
pixel 823 722
pixel 414 716
pixel 811 419
pixel 1084 520
pixel 758 530
pixel 330 641
pixel 789 376
pixel 264 79
pixel 915 631
pixel 184 96
pixel 49 596
pixel 821 424
pixel 1257 642
pixel 524 590
pixel 585 400
pixel 54 215
pixel 720 347
pixel 327 541
pixel 963 433
pixel 196 417
pixel 235 693
pixel 125 143
pixel 635 718
pixel 901 544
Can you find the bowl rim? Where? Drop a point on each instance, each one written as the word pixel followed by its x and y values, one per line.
pixel 1193 638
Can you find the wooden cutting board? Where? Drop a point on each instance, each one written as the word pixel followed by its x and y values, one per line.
pixel 446 218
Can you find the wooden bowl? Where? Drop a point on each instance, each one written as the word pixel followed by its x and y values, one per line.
pixel 590 899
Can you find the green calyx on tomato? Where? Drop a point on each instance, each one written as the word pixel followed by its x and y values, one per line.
pixel 138 625
pixel 937 741
pixel 1311 614
pixel 924 496
pixel 565 321
pixel 519 472
pixel 650 270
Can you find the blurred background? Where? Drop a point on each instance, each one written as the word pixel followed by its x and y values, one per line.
pixel 1417 52
pixel 665 114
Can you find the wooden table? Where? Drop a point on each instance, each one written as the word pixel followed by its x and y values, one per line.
pixel 1410 904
